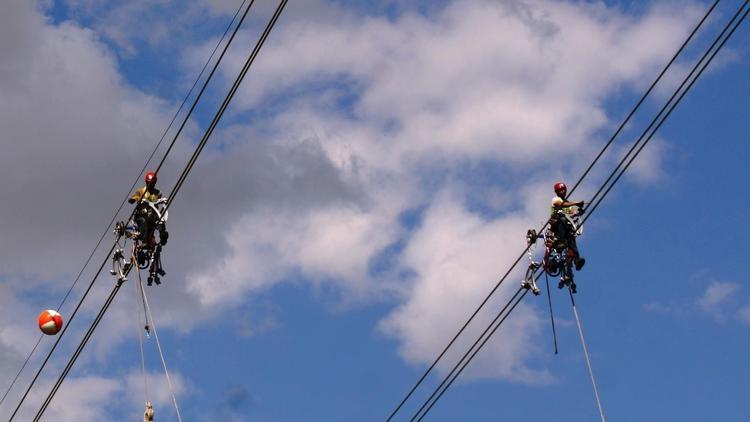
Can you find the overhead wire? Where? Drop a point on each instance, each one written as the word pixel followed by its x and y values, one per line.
pixel 178 185
pixel 643 97
pixel 78 350
pixel 468 352
pixel 109 253
pixel 721 42
pixel 472 355
pixel 586 172
pixel 669 106
pixel 225 103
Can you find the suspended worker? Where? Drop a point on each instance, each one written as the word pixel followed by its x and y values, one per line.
pixel 143 217
pixel 149 217
pixel 561 213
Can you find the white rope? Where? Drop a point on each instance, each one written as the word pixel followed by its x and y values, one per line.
pixel 161 354
pixel 140 336
pixel 588 361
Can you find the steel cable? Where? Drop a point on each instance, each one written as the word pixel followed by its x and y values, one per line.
pixel 186 118
pixel 183 176
pixel 583 176
pixel 721 42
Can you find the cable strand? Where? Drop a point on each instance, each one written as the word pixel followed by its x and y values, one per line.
pixel 581 178
pixel 122 204
pixel 217 117
pixel 684 92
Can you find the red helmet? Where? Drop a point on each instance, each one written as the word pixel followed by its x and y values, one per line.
pixel 150 177
pixel 560 186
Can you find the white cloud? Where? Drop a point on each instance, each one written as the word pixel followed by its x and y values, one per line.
pixel 529 81
pixel 82 398
pixel 717 296
pixel 92 397
pixel 329 244
pixel 647 169
pixel 456 256
pixel 364 118
pixel 517 86
pixel 73 131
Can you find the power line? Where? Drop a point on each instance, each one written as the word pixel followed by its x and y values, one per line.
pixel 59 337
pixel 227 100
pixel 174 192
pixel 109 253
pixel 646 94
pixel 466 355
pixel 586 172
pixel 674 104
pixel 78 350
pixel 135 182
pixel 473 354
pixel 671 106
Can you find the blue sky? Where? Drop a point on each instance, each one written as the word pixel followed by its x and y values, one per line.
pixel 370 183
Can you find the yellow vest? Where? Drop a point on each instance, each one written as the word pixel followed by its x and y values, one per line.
pixel 143 193
pixel 556 202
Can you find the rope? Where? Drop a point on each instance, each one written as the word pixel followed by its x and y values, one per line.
pixel 507 273
pixel 187 169
pixel 158 346
pixel 551 314
pixel 88 260
pixel 139 323
pixel 669 108
pixel 586 355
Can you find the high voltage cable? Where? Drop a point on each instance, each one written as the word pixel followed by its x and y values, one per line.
pixel 474 353
pixel 174 192
pixel 674 104
pixel 59 336
pixel 78 350
pixel 225 103
pixel 135 182
pixel 187 116
pixel 455 367
pixel 470 353
pixel 663 119
pixel 643 97
pixel 586 172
